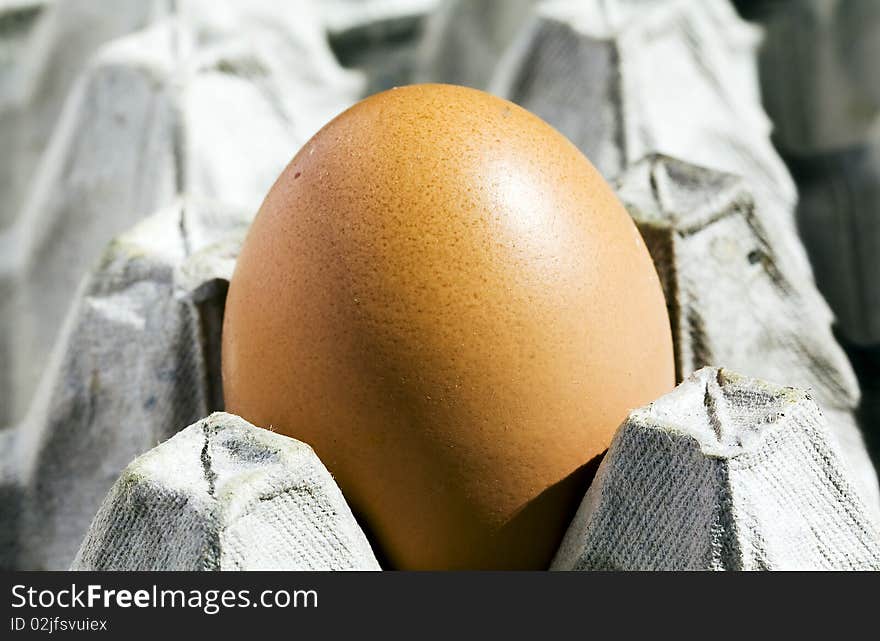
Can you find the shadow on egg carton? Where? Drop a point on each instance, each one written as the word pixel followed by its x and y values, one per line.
pixel 139 358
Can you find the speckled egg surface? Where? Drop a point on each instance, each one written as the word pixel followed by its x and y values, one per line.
pixel 443 297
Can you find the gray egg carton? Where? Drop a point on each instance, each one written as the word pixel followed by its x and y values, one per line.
pixel 723 473
pixel 131 356
pixel 148 323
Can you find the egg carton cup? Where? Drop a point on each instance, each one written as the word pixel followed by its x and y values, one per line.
pixel 732 301
pixel 174 107
pixel 225 495
pixel 723 473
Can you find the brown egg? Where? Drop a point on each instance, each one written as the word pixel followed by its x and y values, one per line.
pixel 443 298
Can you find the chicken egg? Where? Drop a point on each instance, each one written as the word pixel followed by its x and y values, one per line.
pixel 443 297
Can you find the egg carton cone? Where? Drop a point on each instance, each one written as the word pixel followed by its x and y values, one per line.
pixel 839 220
pixel 138 359
pixel 818 67
pixel 626 78
pixel 725 472
pixel 731 302
pixel 225 495
pixel 175 108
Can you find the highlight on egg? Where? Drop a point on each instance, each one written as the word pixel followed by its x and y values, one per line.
pixel 443 297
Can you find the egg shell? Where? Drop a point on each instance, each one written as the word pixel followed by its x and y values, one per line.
pixel 444 298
